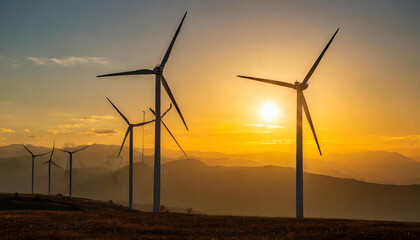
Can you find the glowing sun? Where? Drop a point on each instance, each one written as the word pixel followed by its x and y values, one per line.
pixel 269 111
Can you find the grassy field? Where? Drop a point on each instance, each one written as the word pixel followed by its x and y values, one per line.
pixel 109 222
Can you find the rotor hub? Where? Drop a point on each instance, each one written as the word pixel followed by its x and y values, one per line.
pixel 158 69
pixel 300 86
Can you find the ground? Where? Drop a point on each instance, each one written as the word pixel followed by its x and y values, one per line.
pixel 114 222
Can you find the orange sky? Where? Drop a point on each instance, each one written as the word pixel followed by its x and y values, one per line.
pixel 363 96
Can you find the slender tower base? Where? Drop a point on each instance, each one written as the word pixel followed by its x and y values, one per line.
pixel 130 174
pixel 32 187
pixel 71 168
pixel 156 183
pixel 49 178
pixel 142 151
pixel 299 157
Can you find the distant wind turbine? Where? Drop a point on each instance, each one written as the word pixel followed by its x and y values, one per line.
pixel 299 87
pixel 130 131
pixel 158 72
pixel 33 165
pixel 50 161
pixel 171 134
pixel 71 163
pixel 142 141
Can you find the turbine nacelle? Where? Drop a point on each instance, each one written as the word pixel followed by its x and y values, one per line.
pixel 158 69
pixel 300 86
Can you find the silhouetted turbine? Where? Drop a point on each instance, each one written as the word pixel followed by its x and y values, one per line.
pixel 142 142
pixel 170 134
pixel 33 165
pixel 71 164
pixel 158 72
pixel 50 161
pixel 130 131
pixel 299 87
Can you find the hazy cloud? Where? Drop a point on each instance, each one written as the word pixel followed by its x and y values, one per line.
pixel 7 130
pixel 93 118
pixel 68 126
pixel 53 131
pixel 276 141
pixel 103 131
pixel 36 60
pixel 410 139
pixel 35 137
pixel 68 61
pixel 265 125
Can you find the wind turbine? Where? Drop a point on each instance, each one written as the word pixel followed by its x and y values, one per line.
pixel 142 141
pixel 33 167
pixel 49 169
pixel 171 134
pixel 158 72
pixel 71 163
pixel 301 102
pixel 130 131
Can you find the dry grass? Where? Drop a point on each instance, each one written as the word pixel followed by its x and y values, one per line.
pixel 45 224
pixel 25 216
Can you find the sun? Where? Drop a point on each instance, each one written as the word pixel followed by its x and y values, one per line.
pixel 269 111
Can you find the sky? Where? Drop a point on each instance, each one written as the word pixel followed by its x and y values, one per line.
pixel 364 95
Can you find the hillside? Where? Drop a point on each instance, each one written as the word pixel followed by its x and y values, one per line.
pixel 25 216
pixel 24 224
pixel 234 190
pixel 16 201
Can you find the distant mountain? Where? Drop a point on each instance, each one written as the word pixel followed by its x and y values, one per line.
pixel 417 158
pixel 377 167
pixel 261 190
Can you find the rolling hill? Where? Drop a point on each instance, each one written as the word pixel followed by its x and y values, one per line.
pixel 262 190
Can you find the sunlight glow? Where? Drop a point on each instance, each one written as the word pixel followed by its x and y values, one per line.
pixel 269 111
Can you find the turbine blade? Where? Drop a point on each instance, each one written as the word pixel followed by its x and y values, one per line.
pixel 81 149
pixel 168 52
pixel 170 133
pixel 171 96
pixel 52 151
pixel 173 137
pixel 319 59
pixel 143 123
pixel 136 72
pixel 125 137
pixel 308 116
pixel 284 84
pixel 63 150
pixel 122 115
pixel 42 154
pixel 57 165
pixel 170 106
pixel 27 150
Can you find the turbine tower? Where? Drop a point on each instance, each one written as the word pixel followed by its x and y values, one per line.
pixel 71 163
pixel 159 78
pixel 142 141
pixel 130 171
pixel 301 102
pixel 33 166
pixel 50 161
